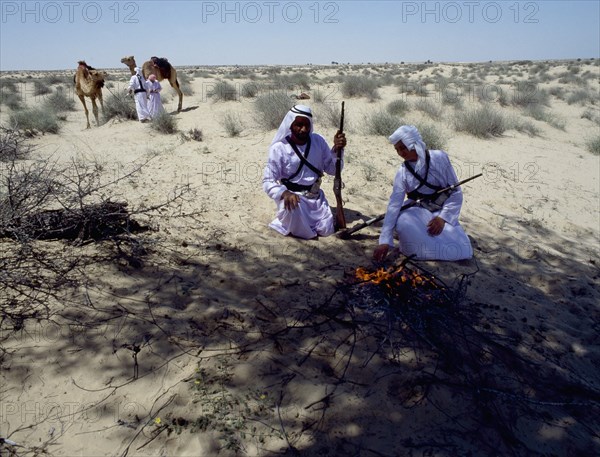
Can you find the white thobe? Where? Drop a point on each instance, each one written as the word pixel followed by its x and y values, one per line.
pixel 312 217
pixel 155 106
pixel 136 82
pixel 410 225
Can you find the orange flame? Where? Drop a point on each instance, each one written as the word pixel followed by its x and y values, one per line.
pixel 398 276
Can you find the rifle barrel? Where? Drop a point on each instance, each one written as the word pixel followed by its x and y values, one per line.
pixel 345 234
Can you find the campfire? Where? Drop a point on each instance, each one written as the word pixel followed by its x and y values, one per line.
pixel 398 287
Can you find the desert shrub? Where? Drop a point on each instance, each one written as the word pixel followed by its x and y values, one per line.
pixel 319 96
pixel 9 85
pixel 413 88
pixel 185 83
pixel 250 90
pixel 569 78
pixel 272 107
pixel 11 99
pixel 381 123
pixel 329 114
pixel 580 97
pixel 523 126
pixel 41 88
pixel 193 134
pixel 482 122
pixel 359 86
pixel 223 91
pixel 526 94
pixel 432 109
pixel 54 80
pixel 13 145
pixel 51 200
pixel 541 114
pixel 369 171
pixel 558 92
pixel 35 120
pixel 593 145
pixel 432 136
pixel 119 105
pixel 299 81
pixel 592 115
pixel 164 123
pixel 232 123
pixel 202 74
pixel 59 102
pixel 397 107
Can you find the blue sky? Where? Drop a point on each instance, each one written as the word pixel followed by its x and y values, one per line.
pixel 52 35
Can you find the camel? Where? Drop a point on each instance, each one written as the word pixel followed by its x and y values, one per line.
pixel 89 83
pixel 159 67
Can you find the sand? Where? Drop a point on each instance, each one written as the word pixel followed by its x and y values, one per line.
pixel 225 338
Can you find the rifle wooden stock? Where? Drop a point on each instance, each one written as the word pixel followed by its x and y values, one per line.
pixel 340 219
pixel 345 234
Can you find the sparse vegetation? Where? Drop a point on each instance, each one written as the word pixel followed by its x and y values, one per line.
pixel 120 106
pixel 593 145
pixel 11 99
pixel 329 114
pixel 581 97
pixel 13 145
pixel 483 122
pixel 164 123
pixel 360 86
pixel 35 120
pixel 397 107
pixel 369 171
pixel 272 107
pixel 523 126
pixel 232 123
pixel 41 88
pixel 432 109
pixel 250 90
pixel 59 102
pixel 382 123
pixel 223 91
pixel 193 134
pixel 432 136
pixel 541 114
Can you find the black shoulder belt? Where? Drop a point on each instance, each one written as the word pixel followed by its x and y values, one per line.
pixel 415 194
pixel 141 89
pixel 303 161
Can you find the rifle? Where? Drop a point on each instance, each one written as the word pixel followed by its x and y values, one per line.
pixel 345 234
pixel 340 219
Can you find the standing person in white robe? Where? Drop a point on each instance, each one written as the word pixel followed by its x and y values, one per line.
pixel 294 183
pixel 155 106
pixel 137 87
pixel 428 234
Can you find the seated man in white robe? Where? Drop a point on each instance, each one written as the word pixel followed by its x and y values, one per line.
pixel 430 230
pixel 292 177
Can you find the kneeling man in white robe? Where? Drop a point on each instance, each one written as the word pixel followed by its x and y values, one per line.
pixel 428 231
pixel 292 177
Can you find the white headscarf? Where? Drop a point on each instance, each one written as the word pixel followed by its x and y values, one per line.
pixel 284 129
pixel 411 138
pixel 137 71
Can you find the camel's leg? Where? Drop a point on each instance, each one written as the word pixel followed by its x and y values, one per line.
pixel 95 110
pixel 87 115
pixel 175 85
pixel 101 102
